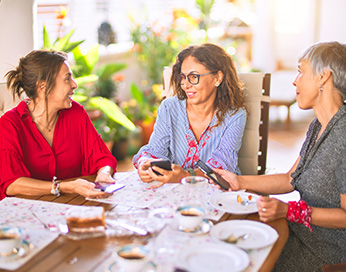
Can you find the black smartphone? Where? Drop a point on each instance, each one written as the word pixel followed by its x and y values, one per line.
pixel 214 176
pixel 164 164
pixel 108 187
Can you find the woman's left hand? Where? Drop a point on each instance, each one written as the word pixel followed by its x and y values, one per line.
pixel 104 175
pixel 270 209
pixel 173 176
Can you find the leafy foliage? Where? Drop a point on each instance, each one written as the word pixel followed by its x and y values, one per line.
pixel 60 44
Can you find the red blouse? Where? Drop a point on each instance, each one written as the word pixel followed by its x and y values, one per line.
pixel 77 148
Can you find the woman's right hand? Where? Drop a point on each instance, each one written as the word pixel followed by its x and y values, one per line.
pixel 231 178
pixel 84 188
pixel 143 171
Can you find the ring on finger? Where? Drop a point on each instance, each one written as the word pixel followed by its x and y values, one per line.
pixel 264 209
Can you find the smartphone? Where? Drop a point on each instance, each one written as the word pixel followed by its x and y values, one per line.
pixel 108 187
pixel 164 164
pixel 214 176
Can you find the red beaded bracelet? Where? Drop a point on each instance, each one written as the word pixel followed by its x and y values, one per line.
pixel 299 212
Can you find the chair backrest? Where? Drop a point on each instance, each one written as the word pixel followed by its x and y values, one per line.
pixel 252 156
pixel 6 99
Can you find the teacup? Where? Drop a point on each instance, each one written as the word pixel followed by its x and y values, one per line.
pixel 132 258
pixel 190 217
pixel 10 239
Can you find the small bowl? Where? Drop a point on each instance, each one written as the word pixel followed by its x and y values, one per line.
pixel 132 258
pixel 10 239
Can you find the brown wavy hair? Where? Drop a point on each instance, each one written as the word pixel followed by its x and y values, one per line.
pixel 214 58
pixel 37 66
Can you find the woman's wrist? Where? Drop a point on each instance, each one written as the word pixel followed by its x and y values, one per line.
pixel 106 169
pixel 299 212
pixel 65 187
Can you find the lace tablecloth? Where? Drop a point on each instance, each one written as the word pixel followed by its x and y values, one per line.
pixel 29 214
pixel 18 212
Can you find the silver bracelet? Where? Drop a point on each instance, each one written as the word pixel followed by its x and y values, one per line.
pixel 55 187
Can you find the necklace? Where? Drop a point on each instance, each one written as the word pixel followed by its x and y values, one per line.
pixel 47 127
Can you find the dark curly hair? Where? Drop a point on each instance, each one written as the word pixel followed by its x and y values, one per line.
pixel 214 58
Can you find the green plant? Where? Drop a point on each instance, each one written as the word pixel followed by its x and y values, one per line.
pixel 156 46
pixel 60 44
pixel 95 90
pixel 112 117
pixel 144 104
pixel 205 7
pixel 95 82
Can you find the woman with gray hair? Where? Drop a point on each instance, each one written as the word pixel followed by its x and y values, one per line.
pixel 317 222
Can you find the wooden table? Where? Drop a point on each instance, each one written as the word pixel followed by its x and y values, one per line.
pixel 95 254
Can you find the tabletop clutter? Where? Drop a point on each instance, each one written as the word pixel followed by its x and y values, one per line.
pixel 180 221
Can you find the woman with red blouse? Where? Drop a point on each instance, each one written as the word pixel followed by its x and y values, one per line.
pixel 49 137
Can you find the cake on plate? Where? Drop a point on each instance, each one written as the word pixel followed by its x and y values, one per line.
pixel 86 219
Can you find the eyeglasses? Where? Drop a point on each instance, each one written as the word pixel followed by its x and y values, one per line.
pixel 192 78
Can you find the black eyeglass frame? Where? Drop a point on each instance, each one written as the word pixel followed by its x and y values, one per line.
pixel 181 75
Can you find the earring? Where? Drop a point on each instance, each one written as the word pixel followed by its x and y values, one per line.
pixel 42 86
pixel 216 85
pixel 320 89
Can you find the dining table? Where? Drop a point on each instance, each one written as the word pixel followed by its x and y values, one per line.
pixel 97 254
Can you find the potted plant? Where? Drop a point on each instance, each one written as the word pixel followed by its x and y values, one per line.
pixel 103 112
pixel 142 108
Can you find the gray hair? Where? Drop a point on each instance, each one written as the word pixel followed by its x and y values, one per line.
pixel 332 56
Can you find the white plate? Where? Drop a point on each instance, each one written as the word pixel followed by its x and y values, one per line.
pixel 261 235
pixel 214 257
pixel 227 202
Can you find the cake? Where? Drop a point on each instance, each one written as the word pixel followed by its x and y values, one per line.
pixel 85 219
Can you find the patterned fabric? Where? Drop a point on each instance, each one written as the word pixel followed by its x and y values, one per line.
pixel 299 212
pixel 174 140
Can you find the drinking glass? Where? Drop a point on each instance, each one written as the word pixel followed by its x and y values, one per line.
pixel 195 190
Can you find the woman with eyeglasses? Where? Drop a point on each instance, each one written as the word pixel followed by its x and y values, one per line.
pixel 203 120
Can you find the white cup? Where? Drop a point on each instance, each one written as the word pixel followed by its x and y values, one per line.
pixel 132 258
pixel 190 217
pixel 10 239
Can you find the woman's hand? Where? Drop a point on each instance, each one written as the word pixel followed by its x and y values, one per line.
pixel 173 176
pixel 270 209
pixel 231 178
pixel 82 187
pixel 143 171
pixel 105 175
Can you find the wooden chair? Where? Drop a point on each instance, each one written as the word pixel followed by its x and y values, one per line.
pixel 6 99
pixel 252 156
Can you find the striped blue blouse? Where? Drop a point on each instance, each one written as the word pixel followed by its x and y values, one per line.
pixel 173 139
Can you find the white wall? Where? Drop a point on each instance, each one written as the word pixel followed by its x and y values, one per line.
pixel 16 32
pixel 333 21
pixel 284 29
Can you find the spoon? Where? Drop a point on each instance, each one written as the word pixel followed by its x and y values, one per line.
pixel 234 239
pixel 138 230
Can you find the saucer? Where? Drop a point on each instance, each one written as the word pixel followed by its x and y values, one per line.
pixel 114 267
pixel 203 228
pixel 19 252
